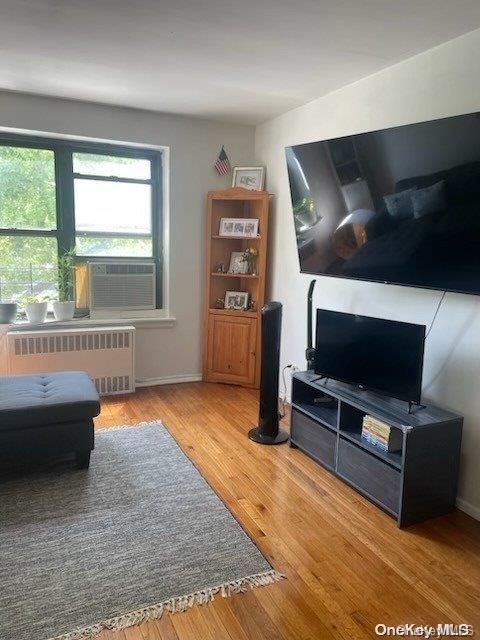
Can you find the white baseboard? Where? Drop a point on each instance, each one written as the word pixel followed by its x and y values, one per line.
pixel 469 508
pixel 153 382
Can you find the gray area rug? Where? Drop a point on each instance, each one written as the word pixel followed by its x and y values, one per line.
pixel 139 533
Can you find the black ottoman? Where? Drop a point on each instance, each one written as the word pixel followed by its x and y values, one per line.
pixel 47 415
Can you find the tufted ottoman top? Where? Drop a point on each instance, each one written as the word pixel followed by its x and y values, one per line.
pixel 47 398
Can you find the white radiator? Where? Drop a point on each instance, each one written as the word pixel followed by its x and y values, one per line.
pixel 107 354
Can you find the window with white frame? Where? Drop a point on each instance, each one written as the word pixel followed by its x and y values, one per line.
pixel 104 200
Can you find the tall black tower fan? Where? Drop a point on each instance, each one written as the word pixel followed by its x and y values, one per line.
pixel 268 431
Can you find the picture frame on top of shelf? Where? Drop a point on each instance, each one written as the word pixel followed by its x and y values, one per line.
pixel 238 227
pixel 252 178
pixel 237 300
pixel 238 264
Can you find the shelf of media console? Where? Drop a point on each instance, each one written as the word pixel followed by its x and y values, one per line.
pixel 393 458
pixel 331 434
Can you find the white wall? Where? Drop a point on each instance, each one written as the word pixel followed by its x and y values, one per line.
pixel 168 352
pixel 440 82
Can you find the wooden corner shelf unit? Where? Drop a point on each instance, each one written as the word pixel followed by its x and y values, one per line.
pixel 231 352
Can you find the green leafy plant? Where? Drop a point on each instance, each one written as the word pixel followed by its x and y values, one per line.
pixel 32 298
pixel 66 266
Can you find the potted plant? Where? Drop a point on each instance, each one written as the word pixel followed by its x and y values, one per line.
pixel 35 307
pixel 64 307
pixel 8 312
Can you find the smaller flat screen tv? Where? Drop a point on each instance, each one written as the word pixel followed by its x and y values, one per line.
pixel 379 355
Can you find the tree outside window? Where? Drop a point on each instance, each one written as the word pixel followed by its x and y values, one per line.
pixel 54 198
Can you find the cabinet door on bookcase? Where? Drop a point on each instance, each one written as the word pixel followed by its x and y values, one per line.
pixel 231 348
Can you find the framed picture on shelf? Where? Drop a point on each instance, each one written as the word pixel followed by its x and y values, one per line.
pixel 252 178
pixel 237 300
pixel 238 264
pixel 251 228
pixel 238 227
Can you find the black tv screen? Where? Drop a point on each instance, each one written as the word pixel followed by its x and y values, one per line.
pixel 399 205
pixel 380 355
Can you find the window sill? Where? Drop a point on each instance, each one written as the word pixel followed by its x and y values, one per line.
pixel 151 322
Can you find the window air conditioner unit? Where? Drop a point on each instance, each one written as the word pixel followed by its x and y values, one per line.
pixel 121 285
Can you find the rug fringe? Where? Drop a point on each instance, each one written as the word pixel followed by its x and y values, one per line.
pixel 175 605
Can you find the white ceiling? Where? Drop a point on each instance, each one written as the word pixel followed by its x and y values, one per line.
pixel 234 60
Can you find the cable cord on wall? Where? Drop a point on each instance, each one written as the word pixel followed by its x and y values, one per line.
pixel 442 298
pixel 283 399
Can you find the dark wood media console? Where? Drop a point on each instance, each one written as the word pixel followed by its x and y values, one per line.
pixel 414 484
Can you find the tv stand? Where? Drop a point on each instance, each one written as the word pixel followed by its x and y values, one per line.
pixel 414 484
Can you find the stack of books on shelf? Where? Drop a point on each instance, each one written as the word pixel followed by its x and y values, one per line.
pixel 381 435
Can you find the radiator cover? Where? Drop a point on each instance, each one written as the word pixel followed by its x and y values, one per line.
pixel 107 354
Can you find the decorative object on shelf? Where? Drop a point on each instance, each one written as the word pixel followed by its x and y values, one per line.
pixel 220 268
pixel 222 163
pixel 238 264
pixel 64 307
pixel 8 312
pixel 238 227
pixel 251 304
pixel 219 303
pixel 251 178
pixel 237 300
pixel 248 258
pixel 35 307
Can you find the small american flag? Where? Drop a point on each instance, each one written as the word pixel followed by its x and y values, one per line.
pixel 222 163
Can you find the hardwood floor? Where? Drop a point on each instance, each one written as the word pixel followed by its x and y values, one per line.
pixel 348 567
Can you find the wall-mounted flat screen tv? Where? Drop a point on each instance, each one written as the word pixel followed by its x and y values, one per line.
pixel 399 205
pixel 380 355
